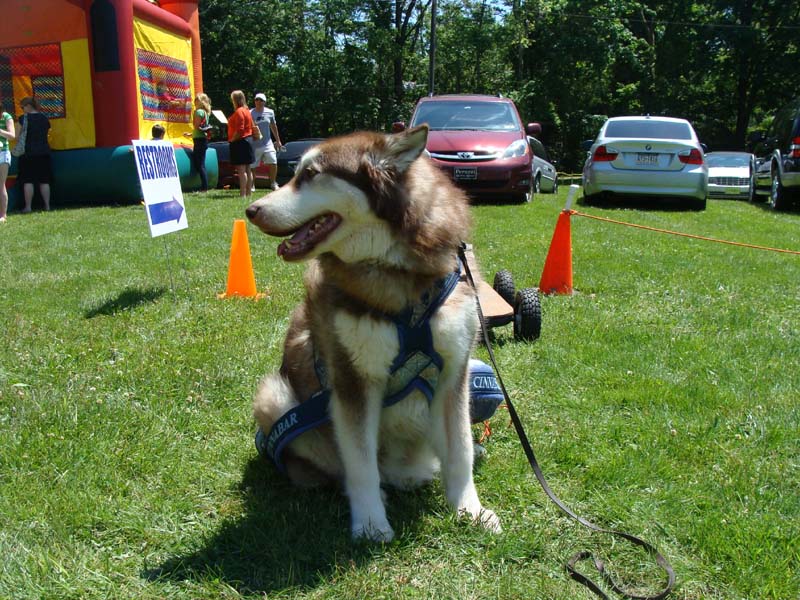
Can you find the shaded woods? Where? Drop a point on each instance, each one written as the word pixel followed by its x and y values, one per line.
pixel 332 66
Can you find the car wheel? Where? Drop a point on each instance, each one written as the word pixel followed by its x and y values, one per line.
pixel 527 315
pixel 698 204
pixel 594 199
pixel 526 197
pixel 537 185
pixel 555 185
pixel 504 285
pixel 777 195
pixel 752 197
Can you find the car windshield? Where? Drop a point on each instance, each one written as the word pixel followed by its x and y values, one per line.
pixel 718 160
pixel 459 115
pixel 648 129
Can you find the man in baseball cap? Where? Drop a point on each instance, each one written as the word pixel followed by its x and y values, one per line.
pixel 263 149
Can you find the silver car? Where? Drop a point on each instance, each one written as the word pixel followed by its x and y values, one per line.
pixel 731 175
pixel 646 157
pixel 545 176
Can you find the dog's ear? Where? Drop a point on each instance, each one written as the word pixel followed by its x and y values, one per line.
pixel 404 148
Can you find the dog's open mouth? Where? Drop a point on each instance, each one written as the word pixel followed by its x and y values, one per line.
pixel 306 238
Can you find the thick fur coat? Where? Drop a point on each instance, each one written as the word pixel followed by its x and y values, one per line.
pixel 379 224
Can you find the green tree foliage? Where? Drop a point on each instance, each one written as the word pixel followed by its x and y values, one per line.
pixel 333 66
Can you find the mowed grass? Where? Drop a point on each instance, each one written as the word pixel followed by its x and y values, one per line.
pixel 661 399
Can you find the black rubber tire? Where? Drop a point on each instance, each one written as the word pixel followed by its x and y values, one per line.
pixel 777 195
pixel 598 199
pixel 527 315
pixel 555 185
pixel 504 285
pixel 537 185
pixel 698 204
pixel 752 197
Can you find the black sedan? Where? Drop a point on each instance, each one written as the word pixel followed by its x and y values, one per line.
pixel 289 156
pixel 227 172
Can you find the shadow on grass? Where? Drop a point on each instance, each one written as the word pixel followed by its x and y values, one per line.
pixel 667 204
pixel 793 205
pixel 126 300
pixel 289 539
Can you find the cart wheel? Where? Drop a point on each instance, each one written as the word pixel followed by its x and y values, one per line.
pixel 527 315
pixel 504 285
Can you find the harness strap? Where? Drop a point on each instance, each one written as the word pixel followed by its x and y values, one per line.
pixel 416 351
pixel 526 446
pixel 307 415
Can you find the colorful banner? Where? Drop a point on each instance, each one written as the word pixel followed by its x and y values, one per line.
pixel 164 80
pixel 58 76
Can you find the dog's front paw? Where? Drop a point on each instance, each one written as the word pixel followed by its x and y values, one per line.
pixel 373 532
pixel 484 517
pixel 489 520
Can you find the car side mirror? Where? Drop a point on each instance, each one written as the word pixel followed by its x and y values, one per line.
pixel 756 136
pixel 533 129
pixel 398 126
pixel 586 145
pixel 704 147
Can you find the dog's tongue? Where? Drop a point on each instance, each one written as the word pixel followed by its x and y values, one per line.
pixel 308 236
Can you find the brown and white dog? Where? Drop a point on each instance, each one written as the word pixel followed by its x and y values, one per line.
pixel 380 225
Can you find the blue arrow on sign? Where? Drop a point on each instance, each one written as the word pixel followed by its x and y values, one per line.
pixel 163 212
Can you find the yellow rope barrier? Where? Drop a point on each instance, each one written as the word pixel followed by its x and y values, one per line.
pixel 689 235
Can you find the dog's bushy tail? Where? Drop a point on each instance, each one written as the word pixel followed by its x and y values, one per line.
pixel 274 397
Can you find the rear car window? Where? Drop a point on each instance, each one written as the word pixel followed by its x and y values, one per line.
pixel 538 148
pixel 727 161
pixel 456 115
pixel 655 130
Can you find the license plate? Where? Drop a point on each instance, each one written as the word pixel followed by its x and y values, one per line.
pixel 462 173
pixel 648 159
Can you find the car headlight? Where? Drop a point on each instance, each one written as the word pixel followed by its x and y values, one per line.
pixel 516 149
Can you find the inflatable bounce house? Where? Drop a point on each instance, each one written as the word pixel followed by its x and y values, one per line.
pixel 104 72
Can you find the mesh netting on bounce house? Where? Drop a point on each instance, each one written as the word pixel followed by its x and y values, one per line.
pixel 104 72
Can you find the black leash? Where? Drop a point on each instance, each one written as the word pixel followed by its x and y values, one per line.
pixel 526 446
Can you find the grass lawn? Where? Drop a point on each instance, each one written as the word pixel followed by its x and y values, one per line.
pixel 662 399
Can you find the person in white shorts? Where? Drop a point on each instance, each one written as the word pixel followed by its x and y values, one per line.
pixel 263 149
pixel 7 134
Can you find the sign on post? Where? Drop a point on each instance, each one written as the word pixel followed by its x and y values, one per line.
pixel 161 186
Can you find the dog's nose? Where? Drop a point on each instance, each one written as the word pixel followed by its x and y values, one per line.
pixel 251 211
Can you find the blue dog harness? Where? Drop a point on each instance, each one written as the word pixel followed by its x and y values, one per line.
pixel 416 367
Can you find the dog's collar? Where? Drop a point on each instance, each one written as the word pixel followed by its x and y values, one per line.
pixel 431 299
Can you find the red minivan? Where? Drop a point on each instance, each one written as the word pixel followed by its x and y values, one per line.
pixel 481 143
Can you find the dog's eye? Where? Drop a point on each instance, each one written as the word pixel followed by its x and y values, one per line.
pixel 306 174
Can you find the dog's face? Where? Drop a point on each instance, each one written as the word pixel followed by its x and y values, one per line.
pixel 347 198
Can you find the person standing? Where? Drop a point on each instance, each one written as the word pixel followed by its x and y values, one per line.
pixel 264 150
pixel 202 110
pixel 7 133
pixel 240 130
pixel 35 165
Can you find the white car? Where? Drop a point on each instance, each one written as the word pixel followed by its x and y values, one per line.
pixel 731 175
pixel 646 157
pixel 545 176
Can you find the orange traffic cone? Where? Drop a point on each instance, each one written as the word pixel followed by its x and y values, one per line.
pixel 557 273
pixel 241 279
